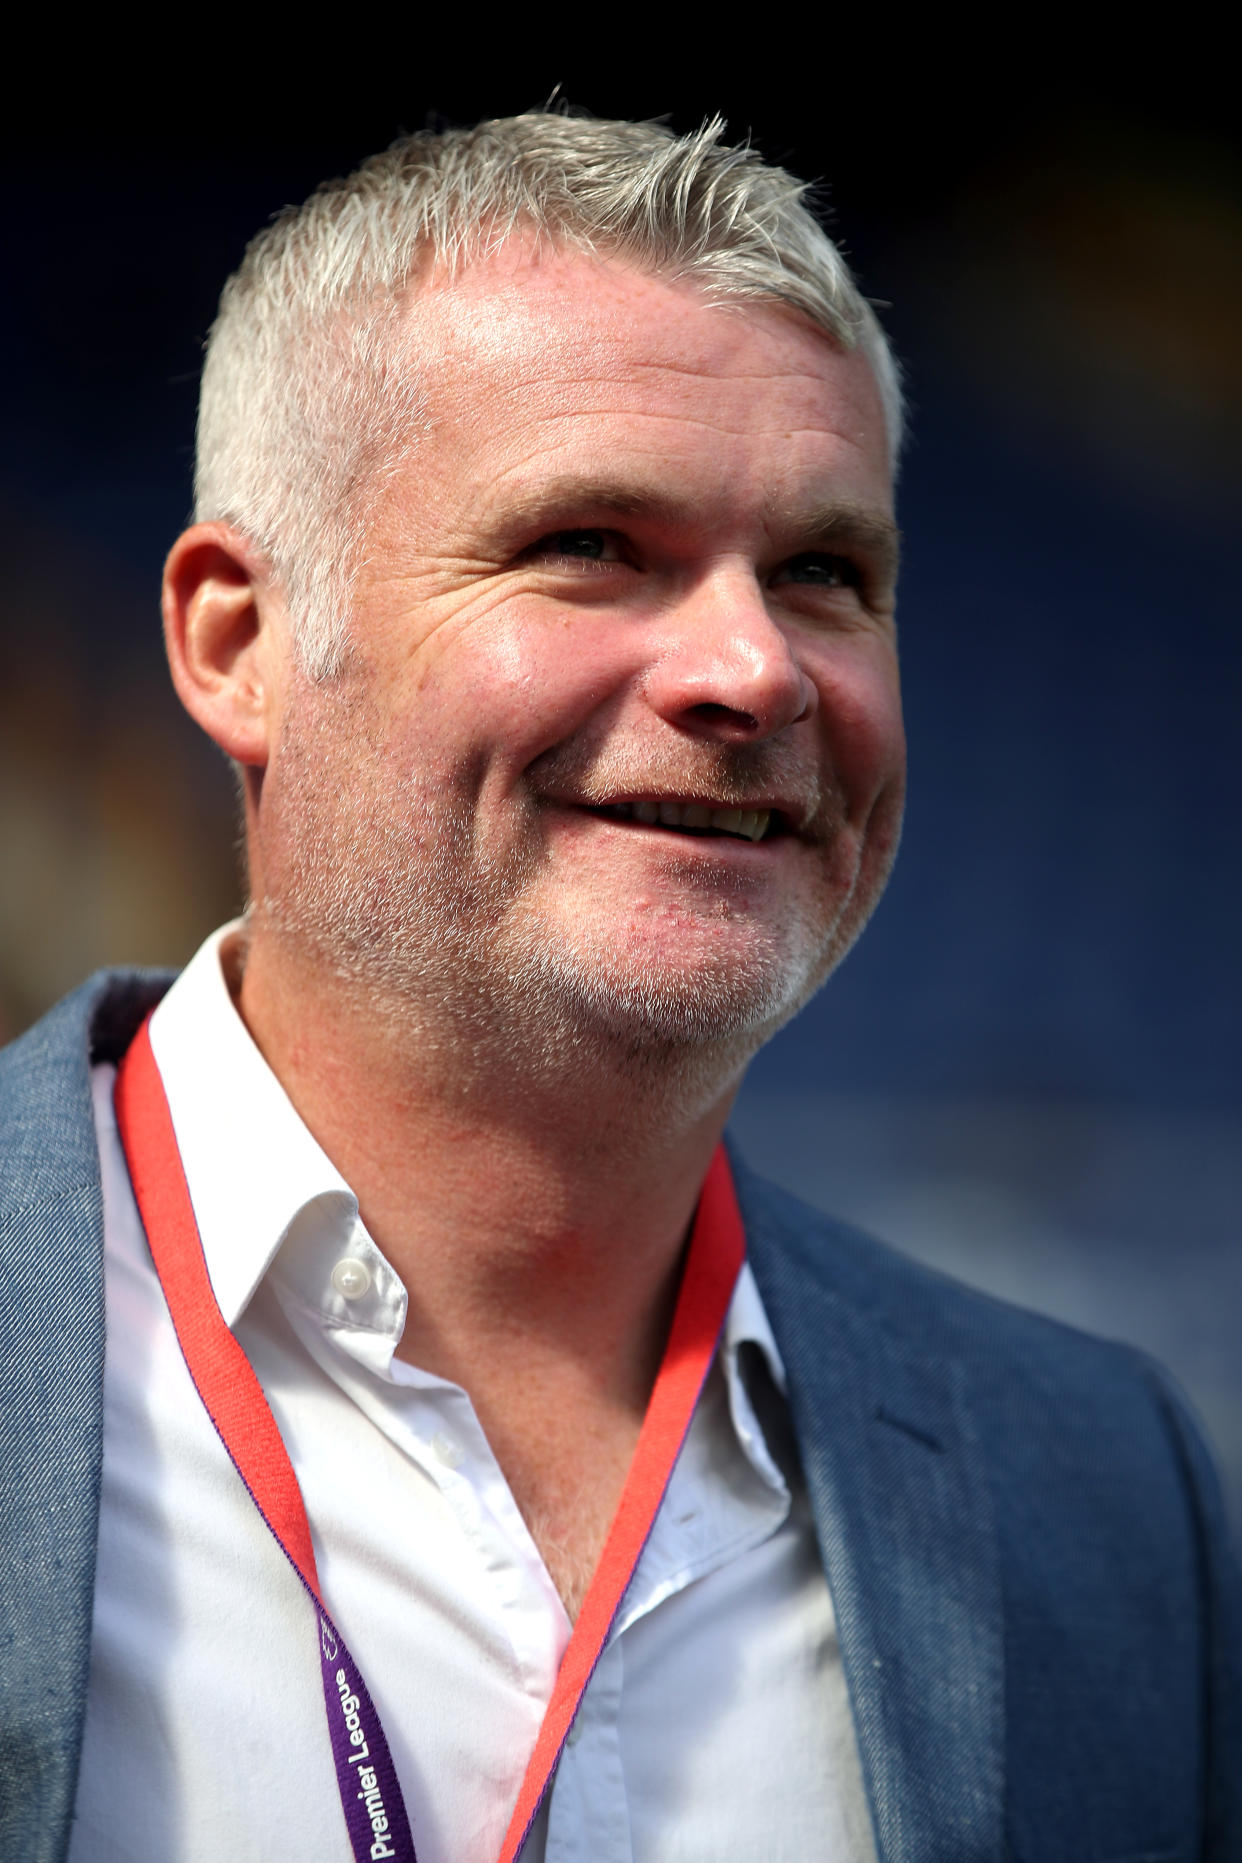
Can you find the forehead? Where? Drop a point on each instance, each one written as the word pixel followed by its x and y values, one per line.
pixel 535 361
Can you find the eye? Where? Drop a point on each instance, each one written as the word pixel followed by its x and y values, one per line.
pixel 579 548
pixel 817 569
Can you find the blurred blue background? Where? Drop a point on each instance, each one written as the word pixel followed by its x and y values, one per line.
pixel 1027 1073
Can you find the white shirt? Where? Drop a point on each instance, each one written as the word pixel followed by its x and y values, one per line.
pixel 716 1724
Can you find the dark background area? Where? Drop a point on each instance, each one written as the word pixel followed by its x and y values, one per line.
pixel 1028 1070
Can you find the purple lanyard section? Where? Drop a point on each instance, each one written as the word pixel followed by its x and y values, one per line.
pixel 366 1778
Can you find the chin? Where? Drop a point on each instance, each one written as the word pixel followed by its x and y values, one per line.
pixel 646 1002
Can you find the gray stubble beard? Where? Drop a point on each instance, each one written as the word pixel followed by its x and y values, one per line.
pixel 434 936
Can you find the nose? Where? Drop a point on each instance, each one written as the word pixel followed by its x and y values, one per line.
pixel 727 670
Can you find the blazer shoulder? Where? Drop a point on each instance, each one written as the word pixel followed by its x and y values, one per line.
pixel 1098 1423
pixel 1052 1404
pixel 906 1299
pixel 52 1325
pixel 51 1394
pixel 47 1143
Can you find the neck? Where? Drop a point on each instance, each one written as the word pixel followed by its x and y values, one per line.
pixel 537 1213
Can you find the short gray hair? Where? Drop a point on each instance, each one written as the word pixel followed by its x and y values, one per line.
pixel 307 397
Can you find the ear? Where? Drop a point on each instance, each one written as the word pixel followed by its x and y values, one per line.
pixel 227 645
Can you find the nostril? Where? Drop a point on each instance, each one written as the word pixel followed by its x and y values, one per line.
pixel 711 714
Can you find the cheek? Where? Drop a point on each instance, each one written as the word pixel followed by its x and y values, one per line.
pixel 860 704
pixel 520 683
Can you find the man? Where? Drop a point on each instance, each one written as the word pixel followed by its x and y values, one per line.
pixel 541 590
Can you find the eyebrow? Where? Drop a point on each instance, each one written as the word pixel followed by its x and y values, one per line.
pixel 831 525
pixel 856 526
pixel 561 497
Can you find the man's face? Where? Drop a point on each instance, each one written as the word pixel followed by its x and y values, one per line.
pixel 621 737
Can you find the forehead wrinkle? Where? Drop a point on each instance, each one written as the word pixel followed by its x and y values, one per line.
pixel 629 497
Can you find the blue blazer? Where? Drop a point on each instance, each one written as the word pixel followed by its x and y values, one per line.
pixel 1039 1617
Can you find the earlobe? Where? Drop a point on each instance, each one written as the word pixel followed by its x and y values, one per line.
pixel 219 614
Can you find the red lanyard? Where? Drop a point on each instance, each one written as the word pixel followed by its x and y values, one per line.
pixel 371 1799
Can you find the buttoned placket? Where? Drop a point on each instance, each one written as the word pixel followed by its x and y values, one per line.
pixel 710 1515
pixel 353 1338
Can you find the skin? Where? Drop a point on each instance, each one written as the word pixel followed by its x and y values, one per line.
pixel 643 548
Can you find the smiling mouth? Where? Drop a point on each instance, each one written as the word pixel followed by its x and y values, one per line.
pixel 694 818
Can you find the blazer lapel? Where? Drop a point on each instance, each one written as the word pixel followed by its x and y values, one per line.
pixel 901 1502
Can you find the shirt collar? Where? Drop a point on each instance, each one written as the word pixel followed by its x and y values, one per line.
pixel 251 1164
pixel 258 1179
pixel 746 1323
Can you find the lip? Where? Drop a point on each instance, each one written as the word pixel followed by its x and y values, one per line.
pixel 689 843
pixel 793 814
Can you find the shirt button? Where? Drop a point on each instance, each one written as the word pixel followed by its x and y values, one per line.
pixel 351 1278
pixel 447 1449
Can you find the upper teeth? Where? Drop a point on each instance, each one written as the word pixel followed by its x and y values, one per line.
pixel 753 823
